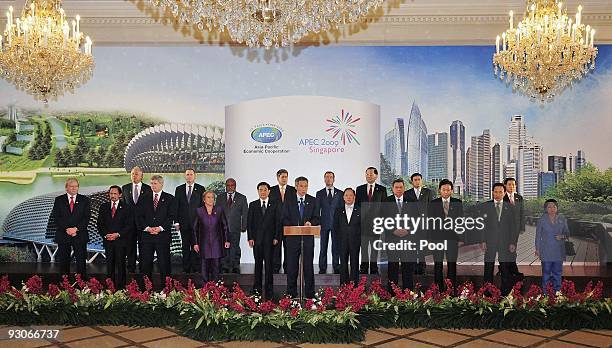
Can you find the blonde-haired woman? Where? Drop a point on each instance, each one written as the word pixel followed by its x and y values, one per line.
pixel 210 236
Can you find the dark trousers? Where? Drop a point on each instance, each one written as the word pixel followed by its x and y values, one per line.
pixel 489 267
pixel 80 254
pixel 451 264
pixel 262 251
pixel 188 255
pixel 372 259
pixel 280 249
pixel 210 270
pixel 325 238
pixel 407 270
pixel 349 253
pixel 293 244
pixel 115 263
pixel 132 243
pixel 163 259
pixel 232 260
pixel 512 266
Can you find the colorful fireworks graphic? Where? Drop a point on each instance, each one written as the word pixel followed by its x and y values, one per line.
pixel 342 126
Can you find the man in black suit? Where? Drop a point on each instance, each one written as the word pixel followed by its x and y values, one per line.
pixel 498 236
pixel 369 197
pixel 264 231
pixel 71 213
pixel 187 198
pixel 236 210
pixel 404 260
pixel 347 224
pixel 419 196
pixel 328 200
pixel 155 217
pixel 300 210
pixel 278 193
pixel 115 225
pixel 131 197
pixel 442 208
pixel 517 202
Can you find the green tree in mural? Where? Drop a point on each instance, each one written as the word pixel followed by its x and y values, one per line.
pixel 588 184
pixel 386 173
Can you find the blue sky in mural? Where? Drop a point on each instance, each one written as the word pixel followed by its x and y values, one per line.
pixel 194 84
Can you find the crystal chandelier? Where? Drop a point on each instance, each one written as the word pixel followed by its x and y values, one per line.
pixel 42 54
pixel 546 52
pixel 268 22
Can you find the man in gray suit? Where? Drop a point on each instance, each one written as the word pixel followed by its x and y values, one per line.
pixel 236 209
pixel 329 199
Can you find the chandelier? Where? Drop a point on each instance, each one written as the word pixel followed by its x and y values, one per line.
pixel 42 54
pixel 546 52
pixel 268 22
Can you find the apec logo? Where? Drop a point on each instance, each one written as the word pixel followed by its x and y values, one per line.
pixel 266 134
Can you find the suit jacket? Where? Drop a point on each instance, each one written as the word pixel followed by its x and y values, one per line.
pixel 291 212
pixel 162 216
pixel 436 210
pixel 422 202
pixel 121 223
pixel 236 213
pixel 379 194
pixel 79 218
pixel 391 210
pixel 185 210
pixel 210 232
pixel 519 211
pixel 266 227
pixel 328 207
pixel 500 233
pixel 275 192
pixel 348 230
pixel 128 198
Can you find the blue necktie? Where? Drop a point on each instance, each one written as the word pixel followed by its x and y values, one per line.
pixel 301 208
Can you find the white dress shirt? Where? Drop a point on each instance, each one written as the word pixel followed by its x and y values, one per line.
pixel 349 211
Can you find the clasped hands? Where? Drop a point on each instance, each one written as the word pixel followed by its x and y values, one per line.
pixel 112 236
pixel 153 230
pixel 72 231
pixel 196 247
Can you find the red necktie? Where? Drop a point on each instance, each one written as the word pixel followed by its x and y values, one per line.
pixel 71 203
pixel 230 200
pixel 155 201
pixel 370 194
pixel 113 210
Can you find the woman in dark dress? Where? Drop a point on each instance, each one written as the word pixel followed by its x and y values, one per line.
pixel 210 236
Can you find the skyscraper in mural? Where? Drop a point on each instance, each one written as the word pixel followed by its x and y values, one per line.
pixel 395 148
pixel 497 164
pixel 517 136
pixel 457 144
pixel 479 171
pixel 417 142
pixel 557 165
pixel 439 157
pixel 530 165
pixel 580 160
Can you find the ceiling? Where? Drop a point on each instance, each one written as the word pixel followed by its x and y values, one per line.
pixel 407 22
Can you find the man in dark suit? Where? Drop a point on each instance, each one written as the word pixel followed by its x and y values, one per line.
pixel 517 201
pixel 404 260
pixel 369 197
pixel 71 213
pixel 155 217
pixel 442 208
pixel 187 198
pixel 115 225
pixel 300 210
pixel 328 200
pixel 236 210
pixel 131 197
pixel 347 224
pixel 498 236
pixel 264 231
pixel 278 193
pixel 419 196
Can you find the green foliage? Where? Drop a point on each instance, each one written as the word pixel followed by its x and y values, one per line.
pixel 588 184
pixel 592 211
pixel 16 254
pixel 386 174
pixel 42 142
pixel 5 123
pixel 218 187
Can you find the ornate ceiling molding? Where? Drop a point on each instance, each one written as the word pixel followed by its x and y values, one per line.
pixel 398 22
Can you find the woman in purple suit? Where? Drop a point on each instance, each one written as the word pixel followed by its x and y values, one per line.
pixel 210 236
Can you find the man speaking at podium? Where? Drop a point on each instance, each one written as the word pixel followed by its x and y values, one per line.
pixel 300 210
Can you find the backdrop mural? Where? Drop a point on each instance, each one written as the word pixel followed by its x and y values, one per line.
pixel 442 113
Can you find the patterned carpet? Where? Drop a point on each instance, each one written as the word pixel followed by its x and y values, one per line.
pixel 123 336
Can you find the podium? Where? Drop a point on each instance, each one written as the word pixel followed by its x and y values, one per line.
pixel 301 231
